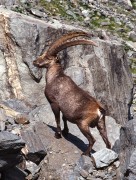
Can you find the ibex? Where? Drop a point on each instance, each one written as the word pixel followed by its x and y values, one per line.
pixel 76 105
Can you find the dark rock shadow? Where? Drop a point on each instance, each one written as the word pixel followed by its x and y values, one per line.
pixel 74 140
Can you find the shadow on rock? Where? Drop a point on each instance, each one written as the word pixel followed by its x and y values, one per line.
pixel 74 140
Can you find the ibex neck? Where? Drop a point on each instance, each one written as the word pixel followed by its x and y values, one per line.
pixel 52 72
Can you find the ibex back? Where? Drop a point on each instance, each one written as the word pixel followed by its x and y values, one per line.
pixel 76 105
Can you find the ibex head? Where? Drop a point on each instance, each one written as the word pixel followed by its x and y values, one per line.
pixel 50 56
pixel 45 60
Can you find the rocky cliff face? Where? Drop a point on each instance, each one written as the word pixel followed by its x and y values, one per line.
pixel 103 71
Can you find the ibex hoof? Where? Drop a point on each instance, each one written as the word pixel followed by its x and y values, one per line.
pixel 57 135
pixel 86 154
pixel 109 146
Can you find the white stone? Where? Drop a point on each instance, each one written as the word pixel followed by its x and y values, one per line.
pixel 104 157
pixel 32 167
pixel 85 13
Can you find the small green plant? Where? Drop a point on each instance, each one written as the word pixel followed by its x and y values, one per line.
pixel 133 3
pixel 18 9
pixel 133 67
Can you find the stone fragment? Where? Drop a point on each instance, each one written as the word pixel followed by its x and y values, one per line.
pixel 86 163
pixel 9 111
pixel 35 149
pixel 84 173
pixel 38 13
pixel 18 117
pixel 104 157
pixel 32 168
pixel 101 174
pixel 16 131
pixel 117 163
pixel 84 166
pixel 22 119
pixel 132 36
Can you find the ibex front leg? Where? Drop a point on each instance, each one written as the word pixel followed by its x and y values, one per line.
pixel 56 112
pixel 65 130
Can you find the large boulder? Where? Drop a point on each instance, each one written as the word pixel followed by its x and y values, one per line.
pixel 10 150
pixel 128 150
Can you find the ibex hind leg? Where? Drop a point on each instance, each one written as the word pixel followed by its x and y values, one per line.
pixel 103 132
pixel 56 112
pixel 84 128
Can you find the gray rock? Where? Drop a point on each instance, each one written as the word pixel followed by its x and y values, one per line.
pixel 38 13
pixel 132 176
pixel 35 148
pixel 10 160
pixel 101 174
pixel 2 120
pixel 104 157
pixel 126 3
pixel 10 143
pixel 18 105
pixel 127 147
pixel 71 13
pixel 85 163
pixel 132 164
pixel 32 168
pixel 77 74
pixel 84 166
pixel 84 173
pixel 20 118
pixel 105 23
pixel 8 3
pixel 10 150
pixel 13 173
pixel 117 163
pixel 132 36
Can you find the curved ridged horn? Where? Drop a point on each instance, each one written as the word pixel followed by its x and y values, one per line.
pixel 59 42
pixel 73 43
